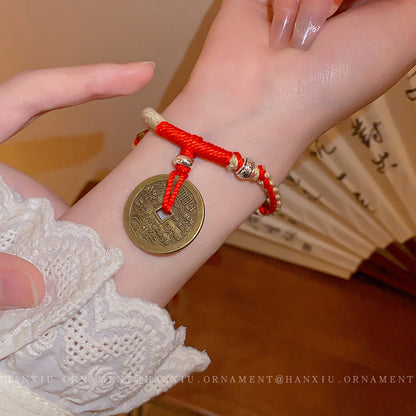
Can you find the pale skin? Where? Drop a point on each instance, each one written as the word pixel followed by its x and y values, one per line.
pixel 243 95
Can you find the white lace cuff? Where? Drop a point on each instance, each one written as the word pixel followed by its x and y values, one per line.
pixel 85 349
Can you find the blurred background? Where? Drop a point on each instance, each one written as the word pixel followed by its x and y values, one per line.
pixel 77 145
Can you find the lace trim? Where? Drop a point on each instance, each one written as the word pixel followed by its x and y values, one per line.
pixel 114 354
pixel 71 257
pixel 87 349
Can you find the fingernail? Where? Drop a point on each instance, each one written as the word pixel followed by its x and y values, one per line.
pixel 18 290
pixel 135 65
pixel 281 29
pixel 149 63
pixel 308 23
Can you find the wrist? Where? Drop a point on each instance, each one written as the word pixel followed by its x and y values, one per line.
pixel 273 141
pixel 228 201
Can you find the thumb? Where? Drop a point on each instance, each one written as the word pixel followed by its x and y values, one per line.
pixel 21 283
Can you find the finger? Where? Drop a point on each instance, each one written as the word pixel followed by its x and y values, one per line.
pixel 29 94
pixel 311 16
pixel 350 4
pixel 335 7
pixel 21 283
pixel 284 16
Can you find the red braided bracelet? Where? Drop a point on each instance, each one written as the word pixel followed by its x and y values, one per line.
pixel 194 146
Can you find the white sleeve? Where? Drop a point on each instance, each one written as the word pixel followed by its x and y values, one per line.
pixel 85 349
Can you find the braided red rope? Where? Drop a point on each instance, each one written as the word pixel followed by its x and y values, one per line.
pixel 193 146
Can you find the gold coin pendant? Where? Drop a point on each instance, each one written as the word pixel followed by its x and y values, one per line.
pixel 150 228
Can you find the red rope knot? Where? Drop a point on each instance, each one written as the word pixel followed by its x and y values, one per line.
pixel 193 146
pixel 183 163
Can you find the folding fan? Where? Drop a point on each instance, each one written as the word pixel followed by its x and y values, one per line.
pixel 349 203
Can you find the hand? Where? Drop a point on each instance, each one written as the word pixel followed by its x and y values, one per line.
pixel 270 101
pixel 266 104
pixel 299 23
pixel 25 97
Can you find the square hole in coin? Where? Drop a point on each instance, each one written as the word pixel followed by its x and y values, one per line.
pixel 162 215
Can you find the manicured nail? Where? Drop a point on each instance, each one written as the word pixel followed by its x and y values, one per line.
pixel 335 6
pixel 311 16
pixel 282 26
pixel 17 290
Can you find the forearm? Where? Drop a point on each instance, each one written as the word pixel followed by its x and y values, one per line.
pixel 228 201
pixel 268 106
